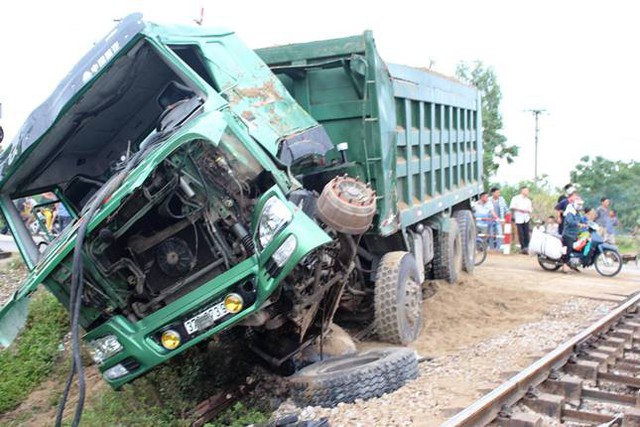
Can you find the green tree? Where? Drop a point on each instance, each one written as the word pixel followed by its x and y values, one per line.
pixel 494 143
pixel 598 177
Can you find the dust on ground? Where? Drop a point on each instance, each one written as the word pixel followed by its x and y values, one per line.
pixel 40 407
pixel 463 313
pixel 12 274
pixel 481 331
pixel 477 333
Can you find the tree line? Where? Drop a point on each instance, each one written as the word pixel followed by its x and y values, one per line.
pixel 595 177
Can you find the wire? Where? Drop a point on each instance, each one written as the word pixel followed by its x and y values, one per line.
pixel 76 292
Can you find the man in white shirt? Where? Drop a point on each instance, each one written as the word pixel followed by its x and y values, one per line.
pixel 521 207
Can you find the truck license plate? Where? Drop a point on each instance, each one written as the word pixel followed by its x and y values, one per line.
pixel 206 318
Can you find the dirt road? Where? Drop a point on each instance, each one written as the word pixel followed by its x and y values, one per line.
pixel 481 331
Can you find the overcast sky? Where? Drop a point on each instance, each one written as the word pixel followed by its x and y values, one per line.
pixel 576 59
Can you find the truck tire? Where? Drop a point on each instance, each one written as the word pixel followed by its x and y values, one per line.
pixel 447 261
pixel 364 375
pixel 398 299
pixel 467 225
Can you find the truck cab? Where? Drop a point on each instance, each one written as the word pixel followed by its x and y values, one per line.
pixel 195 233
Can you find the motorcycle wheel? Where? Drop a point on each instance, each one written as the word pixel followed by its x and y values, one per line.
pixel 608 263
pixel 548 264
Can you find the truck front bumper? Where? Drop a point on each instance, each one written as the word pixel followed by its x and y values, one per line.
pixel 254 279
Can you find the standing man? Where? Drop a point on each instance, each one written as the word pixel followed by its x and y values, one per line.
pixel 483 212
pixel 500 210
pixel 602 216
pixel 522 208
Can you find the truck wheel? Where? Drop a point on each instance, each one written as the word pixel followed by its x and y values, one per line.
pixel 398 299
pixel 468 233
pixel 447 261
pixel 364 375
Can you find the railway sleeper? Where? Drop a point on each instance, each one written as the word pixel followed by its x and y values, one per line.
pixel 597 385
pixel 547 404
pixel 625 365
pixel 568 387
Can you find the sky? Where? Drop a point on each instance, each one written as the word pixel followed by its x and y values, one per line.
pixel 578 60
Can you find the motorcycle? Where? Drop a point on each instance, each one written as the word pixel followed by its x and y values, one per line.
pixel 603 256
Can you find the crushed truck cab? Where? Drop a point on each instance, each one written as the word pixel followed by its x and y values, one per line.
pixel 180 233
pixel 210 191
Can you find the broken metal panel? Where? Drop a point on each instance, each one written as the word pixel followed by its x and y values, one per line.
pixel 13 317
pixel 254 93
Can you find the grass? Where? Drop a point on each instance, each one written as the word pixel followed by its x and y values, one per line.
pixel 628 244
pixel 134 405
pixel 239 415
pixel 32 357
pixel 161 398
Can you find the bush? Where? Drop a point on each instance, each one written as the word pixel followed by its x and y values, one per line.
pixel 628 244
pixel 32 356
pixel 134 405
pixel 239 415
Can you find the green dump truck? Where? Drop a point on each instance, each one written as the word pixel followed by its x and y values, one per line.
pixel 205 191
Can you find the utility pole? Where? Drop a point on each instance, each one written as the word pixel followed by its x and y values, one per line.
pixel 536 113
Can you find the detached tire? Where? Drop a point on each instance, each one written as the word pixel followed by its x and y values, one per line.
pixel 468 233
pixel 398 299
pixel 362 376
pixel 447 262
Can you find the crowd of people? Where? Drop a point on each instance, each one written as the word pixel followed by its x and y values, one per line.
pixel 49 215
pixel 570 219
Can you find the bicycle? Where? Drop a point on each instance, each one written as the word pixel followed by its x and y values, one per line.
pixel 482 240
pixel 481 250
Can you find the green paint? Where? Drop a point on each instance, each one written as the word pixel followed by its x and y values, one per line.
pixel 413 135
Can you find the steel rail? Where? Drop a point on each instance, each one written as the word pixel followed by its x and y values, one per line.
pixel 488 407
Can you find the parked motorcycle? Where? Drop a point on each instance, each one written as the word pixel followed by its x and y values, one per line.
pixel 603 256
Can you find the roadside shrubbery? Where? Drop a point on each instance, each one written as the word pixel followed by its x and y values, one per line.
pixel 32 357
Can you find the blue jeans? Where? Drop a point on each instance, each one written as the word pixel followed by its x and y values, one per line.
pixel 495 229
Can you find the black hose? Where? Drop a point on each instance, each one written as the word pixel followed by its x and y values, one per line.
pixel 76 292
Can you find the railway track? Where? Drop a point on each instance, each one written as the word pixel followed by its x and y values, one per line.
pixel 592 379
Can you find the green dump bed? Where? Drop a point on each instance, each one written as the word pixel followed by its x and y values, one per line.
pixel 415 135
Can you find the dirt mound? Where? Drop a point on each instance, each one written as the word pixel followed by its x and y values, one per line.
pixel 462 314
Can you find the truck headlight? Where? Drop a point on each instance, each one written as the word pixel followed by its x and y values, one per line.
pixel 275 216
pixel 170 339
pixel 115 372
pixel 104 348
pixel 233 303
pixel 283 253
